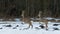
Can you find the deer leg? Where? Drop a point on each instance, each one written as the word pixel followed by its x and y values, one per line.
pixel 30 24
pixel 46 26
pixel 27 27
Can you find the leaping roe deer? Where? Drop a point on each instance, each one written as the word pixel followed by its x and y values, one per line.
pixel 45 21
pixel 26 20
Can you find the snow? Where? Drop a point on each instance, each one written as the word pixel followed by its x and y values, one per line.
pixel 20 30
pixel 49 18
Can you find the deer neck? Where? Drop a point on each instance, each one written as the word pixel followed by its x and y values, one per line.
pixel 22 14
pixel 39 15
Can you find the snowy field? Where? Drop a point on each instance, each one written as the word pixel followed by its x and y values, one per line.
pixel 17 28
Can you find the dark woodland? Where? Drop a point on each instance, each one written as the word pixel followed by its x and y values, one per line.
pixel 14 8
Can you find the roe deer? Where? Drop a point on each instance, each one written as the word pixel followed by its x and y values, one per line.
pixel 45 21
pixel 26 20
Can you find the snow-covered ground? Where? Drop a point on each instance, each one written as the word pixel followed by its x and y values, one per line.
pixel 14 29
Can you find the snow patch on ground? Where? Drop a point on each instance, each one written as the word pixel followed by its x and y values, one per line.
pixel 19 30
